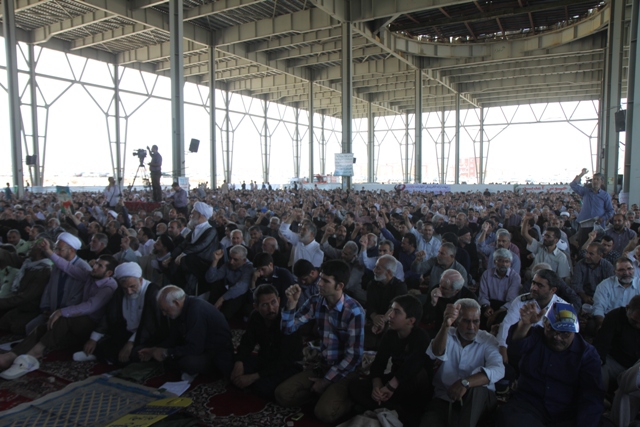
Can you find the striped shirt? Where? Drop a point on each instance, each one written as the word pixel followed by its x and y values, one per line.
pixel 341 329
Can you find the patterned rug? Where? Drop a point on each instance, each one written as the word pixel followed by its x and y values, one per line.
pixel 96 401
pixel 215 402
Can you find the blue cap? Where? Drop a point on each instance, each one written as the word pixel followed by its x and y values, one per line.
pixel 563 318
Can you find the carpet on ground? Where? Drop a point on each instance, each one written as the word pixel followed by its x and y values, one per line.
pixel 215 402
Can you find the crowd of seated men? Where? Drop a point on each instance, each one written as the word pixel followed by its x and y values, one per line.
pixel 452 309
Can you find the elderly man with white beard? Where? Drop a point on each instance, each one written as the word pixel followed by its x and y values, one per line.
pixel 304 243
pixel 132 320
pixel 194 254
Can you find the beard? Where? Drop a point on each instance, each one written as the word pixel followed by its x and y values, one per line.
pixel 379 278
pixel 192 224
pixel 133 296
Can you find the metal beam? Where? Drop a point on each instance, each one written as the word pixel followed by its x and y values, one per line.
pixel 177 87
pixel 216 7
pixel 302 21
pixel 371 144
pixel 212 119
pixel 612 86
pixel 153 18
pixel 44 34
pixel 110 36
pixel 13 92
pixel 367 10
pixel 346 96
pixel 311 129
pixel 632 142
pixel 457 165
pixel 418 126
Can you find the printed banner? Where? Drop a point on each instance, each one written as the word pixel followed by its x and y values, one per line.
pixel 543 188
pixel 425 188
pixel 64 197
pixel 344 164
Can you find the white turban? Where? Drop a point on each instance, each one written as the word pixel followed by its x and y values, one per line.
pixel 204 209
pixel 113 214
pixel 70 240
pixel 127 269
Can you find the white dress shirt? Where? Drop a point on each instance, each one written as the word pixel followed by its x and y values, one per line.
pixel 611 294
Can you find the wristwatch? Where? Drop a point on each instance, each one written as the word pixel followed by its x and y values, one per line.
pixel 465 383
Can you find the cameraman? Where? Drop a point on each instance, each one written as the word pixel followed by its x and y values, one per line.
pixel 155 170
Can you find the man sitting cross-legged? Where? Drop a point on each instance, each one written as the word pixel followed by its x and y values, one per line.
pixel 340 325
pixel 405 344
pixel 132 320
pixel 277 354
pixel 67 326
pixel 470 366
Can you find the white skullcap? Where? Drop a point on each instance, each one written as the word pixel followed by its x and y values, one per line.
pixel 70 240
pixel 204 209
pixel 113 214
pixel 128 269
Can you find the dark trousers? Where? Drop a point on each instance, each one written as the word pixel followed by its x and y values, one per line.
pixel 229 307
pixel 66 332
pixel 475 403
pixel 406 397
pixel 108 350
pixel 209 362
pixel 155 186
pixel 265 386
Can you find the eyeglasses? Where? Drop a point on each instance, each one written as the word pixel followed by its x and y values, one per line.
pixel 552 332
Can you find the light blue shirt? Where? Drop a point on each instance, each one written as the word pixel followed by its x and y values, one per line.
pixel 610 294
pixel 431 247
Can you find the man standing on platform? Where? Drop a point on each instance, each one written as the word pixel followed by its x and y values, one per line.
pixel 155 170
pixel 596 204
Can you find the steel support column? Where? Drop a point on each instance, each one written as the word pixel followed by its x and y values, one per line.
pixel 296 148
pixel 266 146
pixel 632 142
pixel 418 123
pixel 481 169
pixel 213 180
pixel 612 93
pixel 347 93
pixel 119 169
pixel 177 86
pixel 36 180
pixel 457 177
pixel 443 173
pixel 407 172
pixel 323 147
pixel 371 145
pixel 15 120
pixel 311 129
pixel 226 132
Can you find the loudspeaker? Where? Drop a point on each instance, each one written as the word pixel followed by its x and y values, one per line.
pixel 354 160
pixel 193 147
pixel 621 120
pixel 31 160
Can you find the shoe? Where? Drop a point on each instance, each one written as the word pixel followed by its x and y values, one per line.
pixel 81 356
pixel 188 378
pixel 21 366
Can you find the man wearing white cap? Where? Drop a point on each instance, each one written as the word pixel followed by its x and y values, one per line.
pixel 70 325
pixel 194 255
pixel 63 290
pixel 132 320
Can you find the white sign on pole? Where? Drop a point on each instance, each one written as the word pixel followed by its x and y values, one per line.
pixel 344 164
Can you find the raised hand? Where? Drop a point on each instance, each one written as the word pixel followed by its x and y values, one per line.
pixel 451 314
pixel 530 314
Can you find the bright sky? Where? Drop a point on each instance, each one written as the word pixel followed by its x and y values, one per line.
pixel 78 139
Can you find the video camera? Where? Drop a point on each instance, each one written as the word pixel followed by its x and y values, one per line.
pixel 141 154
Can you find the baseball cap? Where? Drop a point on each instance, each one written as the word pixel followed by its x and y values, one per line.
pixel 563 318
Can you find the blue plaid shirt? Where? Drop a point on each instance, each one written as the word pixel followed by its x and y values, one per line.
pixel 341 329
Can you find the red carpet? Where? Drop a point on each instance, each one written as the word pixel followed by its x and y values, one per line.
pixel 215 402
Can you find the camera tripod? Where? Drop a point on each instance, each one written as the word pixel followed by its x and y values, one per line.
pixel 145 178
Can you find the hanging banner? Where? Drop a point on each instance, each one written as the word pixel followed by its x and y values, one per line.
pixel 427 188
pixel 344 164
